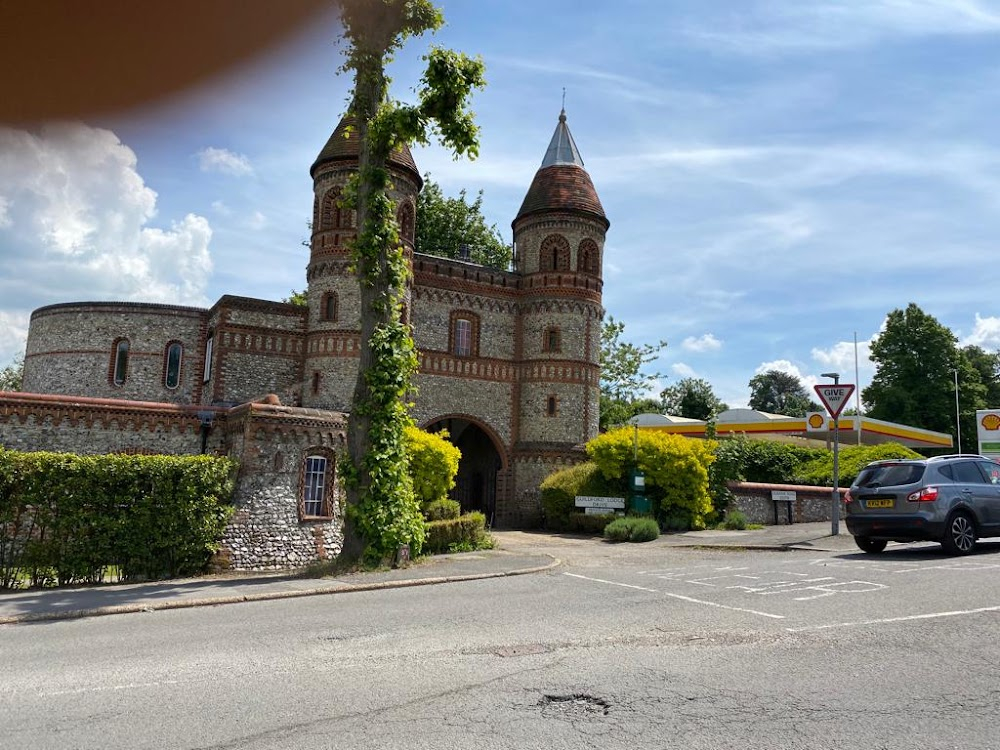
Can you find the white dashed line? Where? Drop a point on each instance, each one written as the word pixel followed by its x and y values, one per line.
pixel 907 618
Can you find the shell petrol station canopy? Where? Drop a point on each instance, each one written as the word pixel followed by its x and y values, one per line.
pixel 813 427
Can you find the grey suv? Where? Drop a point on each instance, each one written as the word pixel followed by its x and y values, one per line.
pixel 953 500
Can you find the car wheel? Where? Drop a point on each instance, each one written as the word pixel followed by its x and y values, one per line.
pixel 869 545
pixel 960 534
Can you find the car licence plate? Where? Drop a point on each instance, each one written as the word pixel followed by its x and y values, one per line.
pixel 885 502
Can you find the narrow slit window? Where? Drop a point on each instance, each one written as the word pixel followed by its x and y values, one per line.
pixel 121 362
pixel 208 358
pixel 172 376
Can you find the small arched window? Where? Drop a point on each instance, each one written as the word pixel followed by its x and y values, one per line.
pixel 551 406
pixel 554 254
pixel 329 311
pixel 588 257
pixel 172 365
pixel 119 362
pixel 406 222
pixel 552 341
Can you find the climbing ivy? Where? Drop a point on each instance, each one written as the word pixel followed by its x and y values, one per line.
pixel 383 511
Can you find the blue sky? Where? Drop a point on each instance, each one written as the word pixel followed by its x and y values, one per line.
pixel 778 174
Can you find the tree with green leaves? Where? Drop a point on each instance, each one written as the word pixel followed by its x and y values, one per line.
pixel 444 225
pixel 383 512
pixel 297 298
pixel 692 398
pixel 12 376
pixel 778 392
pixel 916 358
pixel 624 379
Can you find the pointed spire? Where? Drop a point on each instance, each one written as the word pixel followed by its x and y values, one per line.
pixel 561 182
pixel 562 148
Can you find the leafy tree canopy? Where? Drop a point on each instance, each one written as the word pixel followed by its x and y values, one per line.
pixel 297 298
pixel 445 224
pixel 12 376
pixel 624 381
pixel 778 392
pixel 692 398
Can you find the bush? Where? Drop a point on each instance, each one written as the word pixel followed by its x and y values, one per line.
pixel 852 459
pixel 442 510
pixel 432 462
pixel 632 529
pixel 675 467
pixel 735 521
pixel 559 491
pixel 462 534
pixel 70 518
pixel 752 460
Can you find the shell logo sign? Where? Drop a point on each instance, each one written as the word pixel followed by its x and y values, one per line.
pixel 989 432
pixel 815 421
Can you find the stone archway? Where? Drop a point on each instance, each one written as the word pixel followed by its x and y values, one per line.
pixel 481 463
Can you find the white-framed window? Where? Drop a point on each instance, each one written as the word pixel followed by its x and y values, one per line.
pixel 208 357
pixel 317 480
pixel 463 337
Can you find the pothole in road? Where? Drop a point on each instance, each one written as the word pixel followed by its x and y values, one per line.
pixel 578 704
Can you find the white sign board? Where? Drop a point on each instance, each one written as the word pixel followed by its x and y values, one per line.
pixel 783 496
pixel 598 511
pixel 605 503
pixel 834 397
pixel 815 421
pixel 988 426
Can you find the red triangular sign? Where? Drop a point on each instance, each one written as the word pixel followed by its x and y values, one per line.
pixel 834 397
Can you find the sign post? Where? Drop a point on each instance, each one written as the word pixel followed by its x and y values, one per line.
pixel 834 398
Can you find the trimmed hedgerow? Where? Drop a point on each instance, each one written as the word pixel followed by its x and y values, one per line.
pixel 559 491
pixel 852 459
pixel 442 510
pixel 68 519
pixel 632 529
pixel 462 534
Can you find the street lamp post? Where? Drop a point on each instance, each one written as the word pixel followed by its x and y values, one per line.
pixel 958 421
pixel 835 495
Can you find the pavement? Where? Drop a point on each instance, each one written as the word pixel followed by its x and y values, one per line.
pixel 517 553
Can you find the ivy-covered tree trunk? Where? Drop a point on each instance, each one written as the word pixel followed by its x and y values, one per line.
pixel 383 512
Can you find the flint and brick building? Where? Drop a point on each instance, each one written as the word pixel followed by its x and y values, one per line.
pixel 508 364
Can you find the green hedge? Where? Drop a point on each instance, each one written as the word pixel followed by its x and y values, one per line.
pixel 852 459
pixel 69 519
pixel 632 529
pixel 559 491
pixel 461 534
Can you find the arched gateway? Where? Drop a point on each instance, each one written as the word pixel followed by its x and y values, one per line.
pixel 483 458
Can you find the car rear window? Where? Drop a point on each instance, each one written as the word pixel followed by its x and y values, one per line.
pixel 888 475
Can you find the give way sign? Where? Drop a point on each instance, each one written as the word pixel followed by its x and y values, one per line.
pixel 834 397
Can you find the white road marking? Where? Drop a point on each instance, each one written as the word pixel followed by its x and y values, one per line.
pixel 613 583
pixel 678 596
pixel 906 618
pixel 105 688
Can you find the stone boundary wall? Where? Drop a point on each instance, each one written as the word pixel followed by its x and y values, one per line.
pixel 811 504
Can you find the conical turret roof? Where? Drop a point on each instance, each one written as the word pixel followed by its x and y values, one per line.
pixel 561 182
pixel 343 147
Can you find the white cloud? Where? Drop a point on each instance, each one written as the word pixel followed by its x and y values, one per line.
pixel 841 357
pixel 221 208
pixel 985 334
pixel 257 220
pixel 13 334
pixel 77 227
pixel 222 160
pixel 704 343
pixel 682 370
